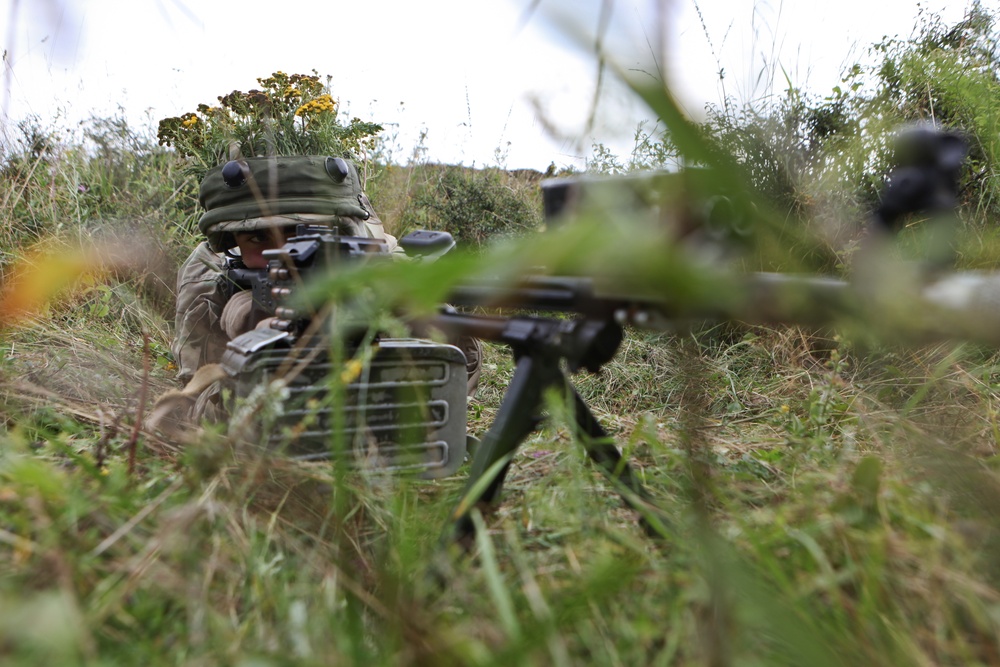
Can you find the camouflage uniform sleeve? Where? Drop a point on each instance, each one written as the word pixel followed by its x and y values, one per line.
pixel 199 338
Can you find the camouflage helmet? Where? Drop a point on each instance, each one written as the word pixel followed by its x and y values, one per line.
pixel 265 192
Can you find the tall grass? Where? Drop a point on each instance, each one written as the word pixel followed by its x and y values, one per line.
pixel 822 502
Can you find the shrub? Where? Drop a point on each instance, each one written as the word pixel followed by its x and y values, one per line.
pixel 476 207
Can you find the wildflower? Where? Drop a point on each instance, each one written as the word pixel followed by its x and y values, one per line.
pixel 785 409
pixel 352 370
pixel 257 97
pixel 316 106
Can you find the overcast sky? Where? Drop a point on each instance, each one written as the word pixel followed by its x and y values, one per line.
pixel 478 76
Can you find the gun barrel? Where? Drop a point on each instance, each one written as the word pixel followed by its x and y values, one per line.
pixel 773 298
pixel 960 306
pixel 532 293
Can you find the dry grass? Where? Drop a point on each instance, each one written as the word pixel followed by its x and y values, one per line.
pixel 820 503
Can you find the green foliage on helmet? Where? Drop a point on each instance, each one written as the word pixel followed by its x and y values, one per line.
pixel 291 114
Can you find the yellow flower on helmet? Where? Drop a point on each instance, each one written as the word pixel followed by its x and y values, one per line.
pixel 317 106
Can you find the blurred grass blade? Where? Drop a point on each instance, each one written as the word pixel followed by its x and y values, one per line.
pixel 494 579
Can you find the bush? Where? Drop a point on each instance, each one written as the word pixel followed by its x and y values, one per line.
pixel 476 207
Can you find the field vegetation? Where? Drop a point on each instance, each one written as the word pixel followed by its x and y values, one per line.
pixel 823 497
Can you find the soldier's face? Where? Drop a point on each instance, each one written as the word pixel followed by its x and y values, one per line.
pixel 253 244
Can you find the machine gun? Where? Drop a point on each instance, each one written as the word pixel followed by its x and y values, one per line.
pixel 585 324
pixel 403 407
pixel 547 350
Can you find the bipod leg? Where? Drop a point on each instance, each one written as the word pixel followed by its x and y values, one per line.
pixel 518 416
pixel 605 453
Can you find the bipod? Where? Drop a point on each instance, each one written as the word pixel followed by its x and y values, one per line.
pixel 539 345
